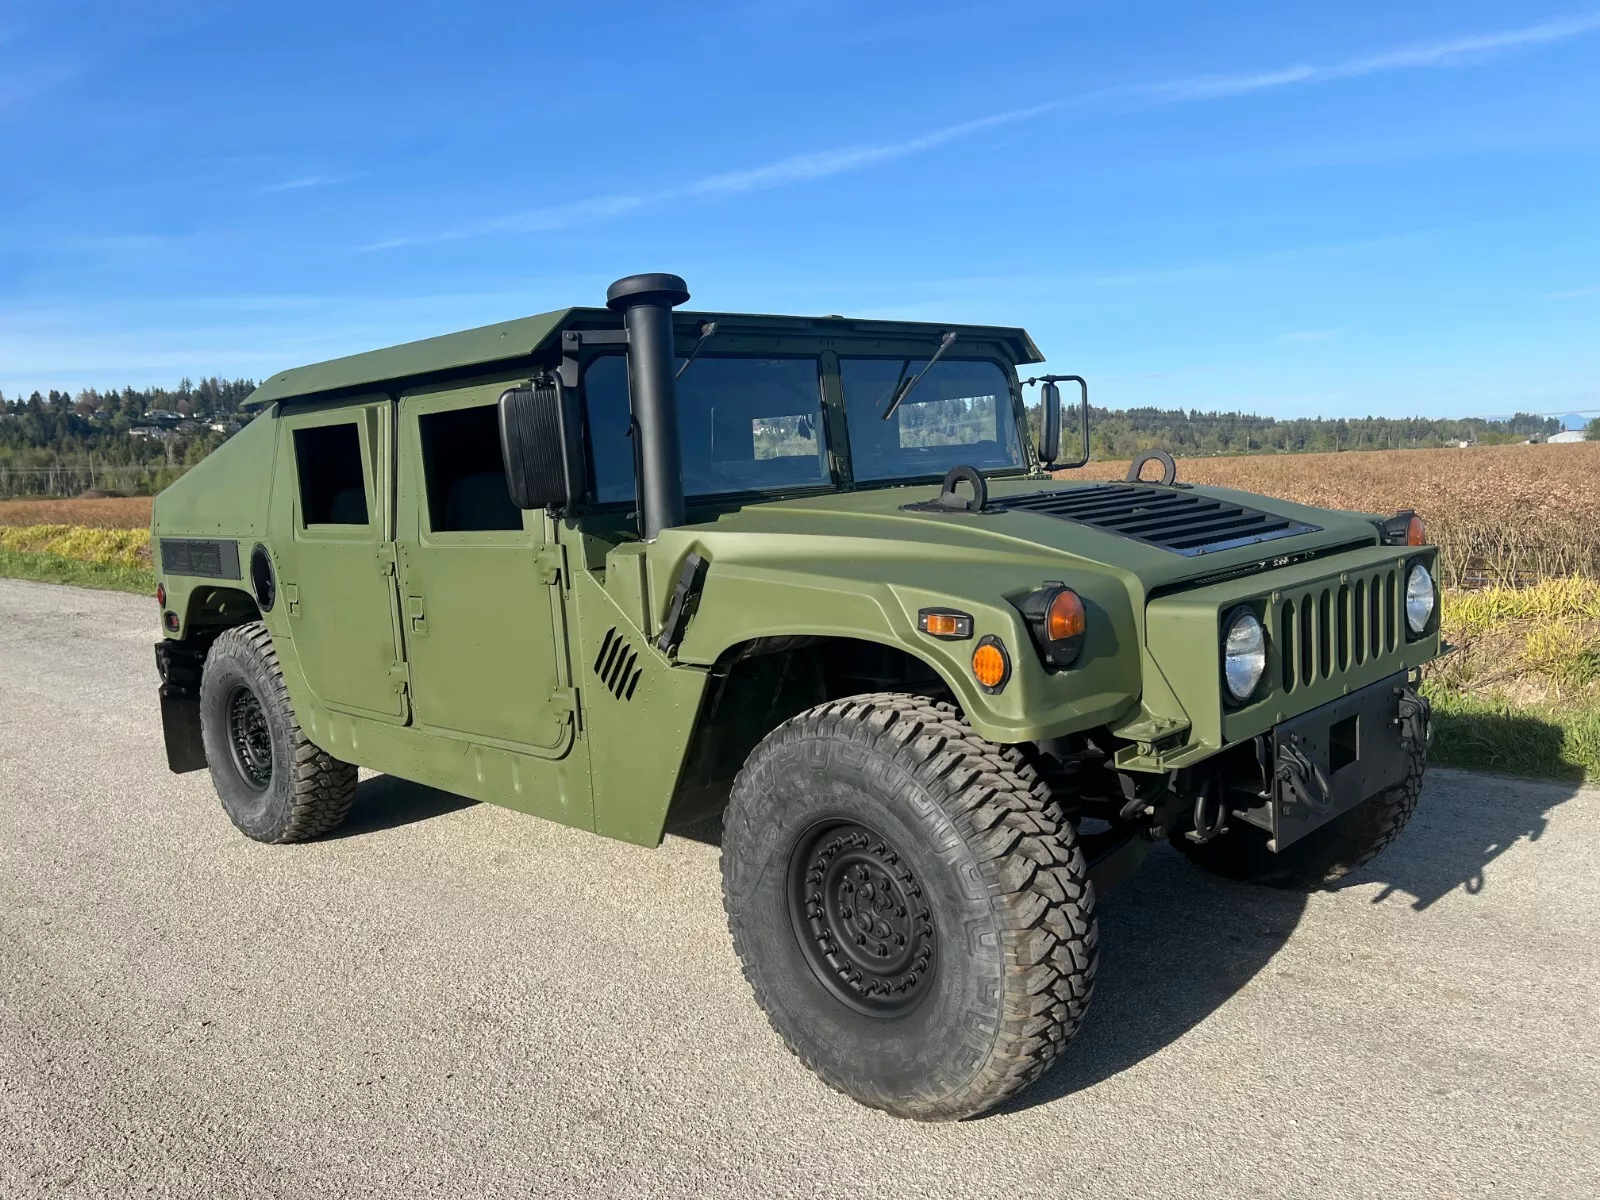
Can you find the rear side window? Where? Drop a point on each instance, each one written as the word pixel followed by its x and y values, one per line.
pixel 333 488
pixel 465 472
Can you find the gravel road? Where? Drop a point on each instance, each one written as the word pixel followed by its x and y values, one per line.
pixel 449 999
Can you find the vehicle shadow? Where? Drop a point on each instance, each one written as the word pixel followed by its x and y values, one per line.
pixel 387 802
pixel 1176 944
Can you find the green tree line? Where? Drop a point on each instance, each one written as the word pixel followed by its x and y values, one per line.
pixel 1122 433
pixel 60 444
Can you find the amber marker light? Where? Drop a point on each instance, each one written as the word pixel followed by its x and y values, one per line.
pixel 990 666
pixel 945 623
pixel 1416 533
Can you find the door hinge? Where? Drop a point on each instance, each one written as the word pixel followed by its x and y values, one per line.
pixel 550 562
pixel 399 676
pixel 386 558
pixel 563 703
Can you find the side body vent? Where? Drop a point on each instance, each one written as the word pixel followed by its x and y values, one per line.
pixel 1173 518
pixel 204 558
pixel 617 665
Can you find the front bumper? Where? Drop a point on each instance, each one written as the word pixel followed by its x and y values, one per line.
pixel 1323 763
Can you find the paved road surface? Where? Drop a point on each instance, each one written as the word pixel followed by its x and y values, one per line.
pixel 455 1000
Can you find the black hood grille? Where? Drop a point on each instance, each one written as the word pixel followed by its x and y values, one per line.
pixel 1173 518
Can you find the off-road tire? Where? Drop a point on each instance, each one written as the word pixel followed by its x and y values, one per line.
pixel 994 866
pixel 1319 859
pixel 287 790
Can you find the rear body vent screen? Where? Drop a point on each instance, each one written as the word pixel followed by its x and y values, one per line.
pixel 203 558
pixel 617 665
pixel 1175 519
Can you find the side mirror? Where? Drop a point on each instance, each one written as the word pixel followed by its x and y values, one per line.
pixel 1050 423
pixel 541 447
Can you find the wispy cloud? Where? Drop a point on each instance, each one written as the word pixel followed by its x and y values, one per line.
pixel 311 181
pixel 1577 293
pixel 1452 52
pixel 1311 335
pixel 805 168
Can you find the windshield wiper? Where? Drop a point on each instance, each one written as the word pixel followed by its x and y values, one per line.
pixel 706 331
pixel 902 391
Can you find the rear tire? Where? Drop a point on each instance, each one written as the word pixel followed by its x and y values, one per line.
pixel 273 783
pixel 910 906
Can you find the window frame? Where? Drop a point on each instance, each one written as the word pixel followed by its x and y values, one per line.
pixel 429 401
pixel 352 416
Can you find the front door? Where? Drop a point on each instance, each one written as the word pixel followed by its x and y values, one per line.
pixel 481 608
pixel 335 567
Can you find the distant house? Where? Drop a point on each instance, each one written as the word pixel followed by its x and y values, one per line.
pixel 1565 436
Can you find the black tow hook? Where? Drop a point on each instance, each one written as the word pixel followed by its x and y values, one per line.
pixel 1303 780
pixel 1208 829
pixel 1415 718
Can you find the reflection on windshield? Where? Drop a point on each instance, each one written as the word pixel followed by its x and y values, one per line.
pixel 960 413
pixel 745 424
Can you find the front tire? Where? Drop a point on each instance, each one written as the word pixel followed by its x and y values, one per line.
pixel 1320 859
pixel 274 784
pixel 909 904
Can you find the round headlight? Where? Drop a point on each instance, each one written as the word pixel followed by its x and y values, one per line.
pixel 1244 653
pixel 1419 598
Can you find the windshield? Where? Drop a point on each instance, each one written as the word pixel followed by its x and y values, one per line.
pixel 745 424
pixel 960 413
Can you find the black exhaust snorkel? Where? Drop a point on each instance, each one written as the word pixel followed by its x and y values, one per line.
pixel 646 303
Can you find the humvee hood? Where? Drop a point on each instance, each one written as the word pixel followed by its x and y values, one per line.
pixel 881 515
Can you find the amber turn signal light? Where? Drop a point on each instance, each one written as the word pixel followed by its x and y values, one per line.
pixel 990 666
pixel 1405 528
pixel 1063 618
pixel 946 623
pixel 1056 622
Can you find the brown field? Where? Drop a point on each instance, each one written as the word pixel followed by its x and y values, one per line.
pixel 1499 514
pixel 121 512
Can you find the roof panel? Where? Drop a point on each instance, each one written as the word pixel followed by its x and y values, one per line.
pixel 508 340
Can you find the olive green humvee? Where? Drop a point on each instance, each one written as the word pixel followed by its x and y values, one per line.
pixel 627 568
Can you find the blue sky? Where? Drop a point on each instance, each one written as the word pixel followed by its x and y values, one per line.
pixel 1291 209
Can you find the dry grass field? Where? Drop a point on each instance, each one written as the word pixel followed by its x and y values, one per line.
pixel 1500 514
pixel 116 512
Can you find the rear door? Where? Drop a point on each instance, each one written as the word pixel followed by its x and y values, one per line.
pixel 336 566
pixel 481 588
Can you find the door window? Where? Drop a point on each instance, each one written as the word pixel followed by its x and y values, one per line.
pixel 464 471
pixel 333 486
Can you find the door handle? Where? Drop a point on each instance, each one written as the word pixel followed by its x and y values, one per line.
pixel 415 615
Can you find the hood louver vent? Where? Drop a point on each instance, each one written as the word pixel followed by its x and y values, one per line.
pixel 617 665
pixel 1175 519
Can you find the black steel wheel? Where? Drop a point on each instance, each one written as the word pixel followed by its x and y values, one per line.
pixel 274 783
pixel 861 918
pixel 250 738
pixel 909 904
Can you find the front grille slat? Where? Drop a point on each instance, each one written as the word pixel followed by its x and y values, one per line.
pixel 1329 629
pixel 1174 519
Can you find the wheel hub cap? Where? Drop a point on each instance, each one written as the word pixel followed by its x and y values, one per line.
pixel 861 918
pixel 250 738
